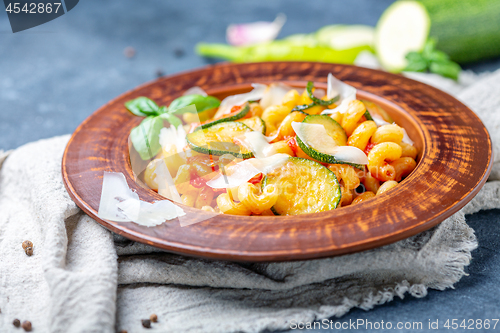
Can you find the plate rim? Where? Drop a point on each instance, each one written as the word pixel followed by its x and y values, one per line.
pixel 275 255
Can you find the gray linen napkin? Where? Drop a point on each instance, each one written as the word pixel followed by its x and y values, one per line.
pixel 73 282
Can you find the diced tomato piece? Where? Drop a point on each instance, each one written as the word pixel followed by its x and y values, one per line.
pixel 198 182
pixel 292 143
pixel 256 179
pixel 235 108
pixel 369 147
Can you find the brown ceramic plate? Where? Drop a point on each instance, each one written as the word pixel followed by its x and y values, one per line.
pixel 455 161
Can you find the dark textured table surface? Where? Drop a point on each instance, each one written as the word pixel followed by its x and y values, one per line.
pixel 55 75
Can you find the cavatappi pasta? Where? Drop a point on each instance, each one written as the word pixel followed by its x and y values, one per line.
pixel 287 153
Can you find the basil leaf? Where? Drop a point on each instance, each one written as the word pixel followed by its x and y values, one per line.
pixel 162 109
pixel 142 106
pixel 414 56
pixel 438 56
pixel 146 137
pixel 173 120
pixel 446 69
pixel 201 102
pixel 416 66
pixel 429 47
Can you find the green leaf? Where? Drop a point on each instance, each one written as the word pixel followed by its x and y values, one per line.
pixel 173 120
pixel 416 66
pixel 429 47
pixel 145 137
pixel 162 109
pixel 414 56
pixel 142 106
pixel 437 56
pixel 201 102
pixel 446 69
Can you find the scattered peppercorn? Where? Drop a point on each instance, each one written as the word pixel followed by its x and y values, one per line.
pixel 146 323
pixel 129 52
pixel 27 244
pixel 29 251
pixel 178 52
pixel 159 73
pixel 16 323
pixel 26 326
pixel 153 318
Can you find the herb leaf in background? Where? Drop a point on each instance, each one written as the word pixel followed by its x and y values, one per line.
pixel 201 102
pixel 146 137
pixel 143 107
pixel 173 120
pixel 432 60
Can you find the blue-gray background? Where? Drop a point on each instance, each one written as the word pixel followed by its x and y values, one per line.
pixel 53 76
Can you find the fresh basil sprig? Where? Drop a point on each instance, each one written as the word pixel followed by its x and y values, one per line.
pixel 432 60
pixel 145 137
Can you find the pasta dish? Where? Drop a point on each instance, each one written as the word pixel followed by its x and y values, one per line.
pixel 276 150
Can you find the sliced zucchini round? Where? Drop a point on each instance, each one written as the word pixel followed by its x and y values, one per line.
pixel 318 101
pixel 333 128
pixel 314 141
pixel 368 116
pixel 304 186
pixel 242 112
pixel 218 140
pixel 255 123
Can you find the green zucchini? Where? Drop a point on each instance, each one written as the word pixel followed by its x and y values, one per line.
pixel 304 186
pixel 342 37
pixel 375 109
pixel 466 30
pixel 333 128
pixel 303 107
pixel 368 116
pixel 218 140
pixel 231 117
pixel 316 100
pixel 313 145
pixel 255 123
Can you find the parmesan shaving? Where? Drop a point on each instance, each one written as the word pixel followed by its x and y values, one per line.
pixel 230 101
pixel 120 204
pixel 325 144
pixel 346 93
pixel 274 94
pixel 242 172
pixel 257 143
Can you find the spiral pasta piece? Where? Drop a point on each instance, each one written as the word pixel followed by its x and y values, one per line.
pixel 408 150
pixel 355 111
pixel 257 203
pixel 377 165
pixel 371 183
pixel 273 116
pixel 363 197
pixel 388 133
pixel 386 186
pixel 403 166
pixel 346 174
pixel 181 180
pixel 228 206
pixel 362 134
pixel 291 99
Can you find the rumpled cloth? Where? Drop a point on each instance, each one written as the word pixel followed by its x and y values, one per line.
pixel 83 278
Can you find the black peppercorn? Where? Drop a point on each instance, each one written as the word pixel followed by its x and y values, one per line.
pixel 26 326
pixel 146 323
